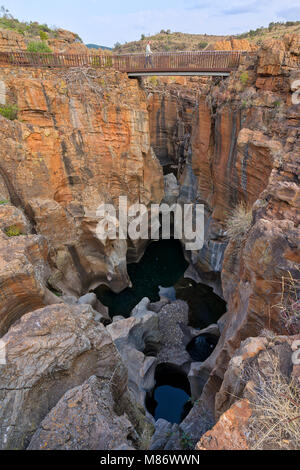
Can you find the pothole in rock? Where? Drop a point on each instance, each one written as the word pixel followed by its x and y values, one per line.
pixel 201 347
pixel 205 307
pixel 163 264
pixel 171 397
pixel 160 272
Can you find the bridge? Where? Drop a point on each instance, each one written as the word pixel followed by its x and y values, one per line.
pixel 213 63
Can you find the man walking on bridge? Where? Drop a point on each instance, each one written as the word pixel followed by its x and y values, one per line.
pixel 148 55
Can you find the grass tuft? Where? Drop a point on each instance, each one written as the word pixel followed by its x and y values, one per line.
pixel 239 222
pixel 289 305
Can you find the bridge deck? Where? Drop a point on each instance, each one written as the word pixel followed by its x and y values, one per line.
pixel 161 63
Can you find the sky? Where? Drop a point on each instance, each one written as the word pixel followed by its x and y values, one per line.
pixel 111 21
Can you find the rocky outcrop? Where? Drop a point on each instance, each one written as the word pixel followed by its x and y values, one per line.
pixel 61 42
pixel 84 136
pixel 10 40
pixel 230 431
pixel 138 339
pixel 259 392
pixel 86 419
pixel 245 148
pixel 24 267
pixel 49 352
pixel 233 44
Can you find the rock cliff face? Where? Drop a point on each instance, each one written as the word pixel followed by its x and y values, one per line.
pixel 80 140
pixel 246 148
pixel 84 137
pixel 171 105
pixel 64 42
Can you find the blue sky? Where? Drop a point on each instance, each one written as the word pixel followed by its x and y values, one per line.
pixel 111 21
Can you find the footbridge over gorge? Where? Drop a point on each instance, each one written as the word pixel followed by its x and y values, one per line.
pixel 213 63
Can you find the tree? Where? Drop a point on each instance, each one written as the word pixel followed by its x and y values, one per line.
pixel 43 35
pixel 5 13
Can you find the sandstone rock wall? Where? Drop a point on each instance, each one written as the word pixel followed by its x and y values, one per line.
pixel 9 40
pixel 246 147
pixel 81 139
pixel 64 42
pixel 171 106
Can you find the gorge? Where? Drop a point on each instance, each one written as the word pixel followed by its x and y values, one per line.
pixel 84 369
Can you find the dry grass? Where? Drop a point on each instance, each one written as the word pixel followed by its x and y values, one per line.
pixel 81 79
pixel 145 439
pixel 239 222
pixel 289 305
pixel 275 423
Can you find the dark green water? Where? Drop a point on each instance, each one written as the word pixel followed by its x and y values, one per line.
pixel 163 264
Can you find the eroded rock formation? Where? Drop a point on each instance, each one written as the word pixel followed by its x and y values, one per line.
pixel 81 140
pixel 84 137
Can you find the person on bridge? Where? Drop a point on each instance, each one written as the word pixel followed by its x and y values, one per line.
pixel 148 55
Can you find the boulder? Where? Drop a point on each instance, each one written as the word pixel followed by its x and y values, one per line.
pixel 85 419
pixel 49 352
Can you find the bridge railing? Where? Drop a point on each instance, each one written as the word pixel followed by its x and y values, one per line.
pixel 161 61
pixel 179 61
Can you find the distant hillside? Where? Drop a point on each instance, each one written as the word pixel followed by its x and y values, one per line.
pixel 168 41
pixel 274 30
pixel 96 46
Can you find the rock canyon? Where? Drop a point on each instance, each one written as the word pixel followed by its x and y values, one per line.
pixel 74 375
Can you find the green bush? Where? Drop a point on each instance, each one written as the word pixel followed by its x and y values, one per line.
pixel 13 231
pixel 202 44
pixel 153 81
pixel 9 111
pixel 38 46
pixel 43 35
pixel 244 78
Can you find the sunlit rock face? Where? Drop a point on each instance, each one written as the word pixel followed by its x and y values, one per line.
pixel 86 137
pixel 245 147
pixel 81 139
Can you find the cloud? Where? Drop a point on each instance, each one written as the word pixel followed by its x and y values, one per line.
pixel 199 6
pixel 292 13
pixel 240 10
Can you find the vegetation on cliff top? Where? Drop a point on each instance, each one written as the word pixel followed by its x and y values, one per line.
pixel 38 46
pixel 167 40
pixel 30 29
pixel 274 30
